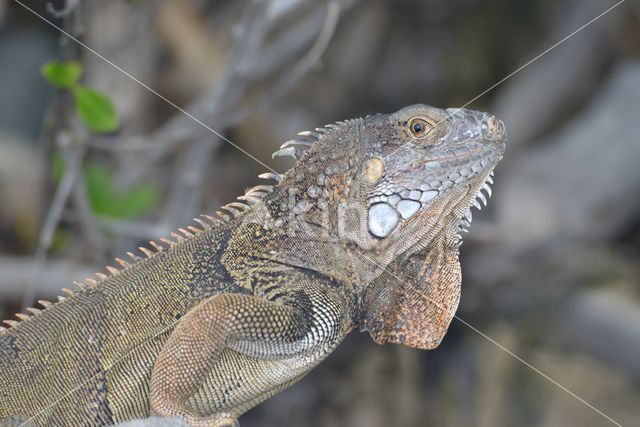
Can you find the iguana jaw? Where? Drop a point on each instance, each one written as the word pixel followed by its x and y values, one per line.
pixel 407 205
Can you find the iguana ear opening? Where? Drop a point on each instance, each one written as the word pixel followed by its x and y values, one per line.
pixel 414 309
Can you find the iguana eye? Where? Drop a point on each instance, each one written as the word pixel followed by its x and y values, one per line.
pixel 418 127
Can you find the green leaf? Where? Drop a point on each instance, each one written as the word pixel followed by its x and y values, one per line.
pixel 109 201
pixel 63 75
pixel 95 109
pixel 99 189
pixel 138 200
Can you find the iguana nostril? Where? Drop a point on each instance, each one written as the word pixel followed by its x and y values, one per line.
pixel 496 128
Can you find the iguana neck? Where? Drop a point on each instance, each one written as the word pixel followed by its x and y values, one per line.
pixel 301 214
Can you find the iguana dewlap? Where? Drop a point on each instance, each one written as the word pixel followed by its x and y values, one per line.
pixel 362 232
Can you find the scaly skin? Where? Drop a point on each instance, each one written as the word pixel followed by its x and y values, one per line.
pixel 362 232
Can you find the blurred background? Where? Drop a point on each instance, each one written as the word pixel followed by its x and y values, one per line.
pixel 93 164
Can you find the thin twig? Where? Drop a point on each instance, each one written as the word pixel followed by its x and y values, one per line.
pixel 298 71
pixel 186 185
pixel 73 160
pixel 17 272
pixel 87 220
pixel 177 130
pixel 184 199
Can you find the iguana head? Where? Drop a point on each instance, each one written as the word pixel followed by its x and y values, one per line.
pixel 421 171
pixel 422 168
pixel 395 190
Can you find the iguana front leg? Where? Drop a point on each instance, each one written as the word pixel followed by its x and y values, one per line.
pixel 224 354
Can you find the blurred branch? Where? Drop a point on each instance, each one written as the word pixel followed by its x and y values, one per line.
pixel 299 70
pixel 87 221
pixel 181 129
pixel 133 229
pixel 240 74
pixel 17 273
pixel 184 194
pixel 73 159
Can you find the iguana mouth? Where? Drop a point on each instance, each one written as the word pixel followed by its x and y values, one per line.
pixel 478 200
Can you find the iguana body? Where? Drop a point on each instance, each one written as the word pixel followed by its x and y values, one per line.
pixel 361 232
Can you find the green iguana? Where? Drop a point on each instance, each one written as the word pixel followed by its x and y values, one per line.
pixel 362 232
